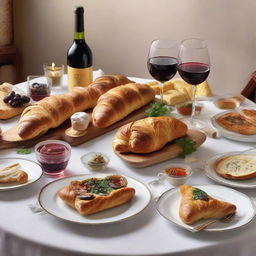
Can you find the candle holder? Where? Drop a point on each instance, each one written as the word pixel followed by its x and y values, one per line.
pixel 55 72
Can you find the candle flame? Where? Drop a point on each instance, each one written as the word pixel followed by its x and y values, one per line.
pixel 53 65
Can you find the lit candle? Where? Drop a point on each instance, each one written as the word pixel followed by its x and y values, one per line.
pixel 55 73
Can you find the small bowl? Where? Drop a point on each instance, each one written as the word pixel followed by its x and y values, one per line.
pixel 177 180
pixel 88 162
pixel 185 108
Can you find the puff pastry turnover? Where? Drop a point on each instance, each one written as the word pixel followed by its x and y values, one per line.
pixel 197 204
pixel 13 173
pixel 95 195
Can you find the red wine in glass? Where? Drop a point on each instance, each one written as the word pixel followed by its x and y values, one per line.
pixel 162 68
pixel 194 72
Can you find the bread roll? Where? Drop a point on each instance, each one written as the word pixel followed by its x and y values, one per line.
pixel 51 111
pixel 118 102
pixel 148 135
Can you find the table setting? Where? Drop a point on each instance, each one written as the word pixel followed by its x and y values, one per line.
pixel 99 164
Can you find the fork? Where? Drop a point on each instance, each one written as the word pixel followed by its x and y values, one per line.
pixel 225 219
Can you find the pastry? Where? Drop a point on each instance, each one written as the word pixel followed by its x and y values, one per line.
pixel 249 115
pixel 51 111
pixel 148 135
pixel 173 97
pixel 236 167
pixel 118 102
pixel 156 86
pixel 79 123
pixel 196 204
pixel 234 122
pixel 229 102
pixel 6 111
pixel 94 195
pixel 13 173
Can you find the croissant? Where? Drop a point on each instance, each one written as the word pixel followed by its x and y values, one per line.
pixel 51 111
pixel 197 204
pixel 118 102
pixel 148 135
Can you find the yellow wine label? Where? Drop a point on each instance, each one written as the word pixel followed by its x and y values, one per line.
pixel 79 77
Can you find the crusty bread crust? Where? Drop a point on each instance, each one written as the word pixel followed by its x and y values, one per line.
pixel 99 203
pixel 249 115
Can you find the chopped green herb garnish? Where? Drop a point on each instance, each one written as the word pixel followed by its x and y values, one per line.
pixel 188 146
pixel 23 150
pixel 198 194
pixel 158 109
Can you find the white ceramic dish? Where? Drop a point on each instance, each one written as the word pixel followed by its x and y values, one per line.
pixel 168 207
pixel 228 134
pixel 32 168
pixel 212 174
pixel 51 203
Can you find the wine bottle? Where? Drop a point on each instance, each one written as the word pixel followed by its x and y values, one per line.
pixel 79 57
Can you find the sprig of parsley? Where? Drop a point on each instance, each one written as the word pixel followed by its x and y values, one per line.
pixel 158 109
pixel 23 150
pixel 188 146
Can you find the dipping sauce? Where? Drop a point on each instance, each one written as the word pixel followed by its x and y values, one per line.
pixel 38 91
pixel 185 109
pixel 53 155
pixel 95 161
pixel 176 171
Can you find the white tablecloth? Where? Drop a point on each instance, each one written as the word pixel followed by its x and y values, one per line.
pixel 23 232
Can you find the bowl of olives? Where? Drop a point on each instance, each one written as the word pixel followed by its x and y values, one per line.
pixel 16 100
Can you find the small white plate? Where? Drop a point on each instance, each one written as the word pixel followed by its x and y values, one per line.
pixel 212 174
pixel 228 134
pixel 32 168
pixel 51 203
pixel 168 207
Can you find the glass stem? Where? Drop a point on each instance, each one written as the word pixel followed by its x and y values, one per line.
pixel 162 92
pixel 193 104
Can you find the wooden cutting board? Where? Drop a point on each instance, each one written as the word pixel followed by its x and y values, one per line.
pixel 11 139
pixel 171 150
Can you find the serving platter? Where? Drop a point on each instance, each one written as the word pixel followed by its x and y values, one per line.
pixel 212 174
pixel 229 134
pixel 11 139
pixel 51 203
pixel 168 207
pixel 169 151
pixel 32 168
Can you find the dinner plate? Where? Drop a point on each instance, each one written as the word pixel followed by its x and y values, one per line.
pixel 212 174
pixel 32 168
pixel 228 134
pixel 168 207
pixel 51 203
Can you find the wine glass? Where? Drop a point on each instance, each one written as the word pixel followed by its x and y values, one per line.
pixel 162 61
pixel 194 68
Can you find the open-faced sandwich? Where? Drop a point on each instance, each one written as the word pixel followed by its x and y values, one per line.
pixel 196 204
pixel 94 195
pixel 236 167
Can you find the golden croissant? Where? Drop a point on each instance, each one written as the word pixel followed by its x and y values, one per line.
pixel 51 111
pixel 118 102
pixel 148 135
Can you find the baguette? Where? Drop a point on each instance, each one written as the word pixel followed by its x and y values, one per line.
pixel 51 111
pixel 196 204
pixel 95 195
pixel 13 173
pixel 148 135
pixel 118 102
pixel 236 167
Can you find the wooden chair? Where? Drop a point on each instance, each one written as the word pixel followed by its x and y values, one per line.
pixel 250 89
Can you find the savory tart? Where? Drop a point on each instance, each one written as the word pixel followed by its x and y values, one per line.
pixel 13 173
pixel 196 204
pixel 236 167
pixel 234 122
pixel 94 195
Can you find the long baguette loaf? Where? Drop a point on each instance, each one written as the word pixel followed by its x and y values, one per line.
pixel 54 110
pixel 148 135
pixel 118 102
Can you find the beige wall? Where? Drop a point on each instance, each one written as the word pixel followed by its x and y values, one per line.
pixel 120 31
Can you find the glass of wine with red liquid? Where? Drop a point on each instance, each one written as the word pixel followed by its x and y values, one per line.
pixel 194 68
pixel 162 61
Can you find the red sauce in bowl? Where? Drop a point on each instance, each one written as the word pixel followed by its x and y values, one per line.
pixel 176 171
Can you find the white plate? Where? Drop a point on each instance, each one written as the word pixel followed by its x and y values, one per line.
pixel 231 135
pixel 212 174
pixel 168 207
pixel 32 168
pixel 50 202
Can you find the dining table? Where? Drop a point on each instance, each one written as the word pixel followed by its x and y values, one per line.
pixel 24 232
